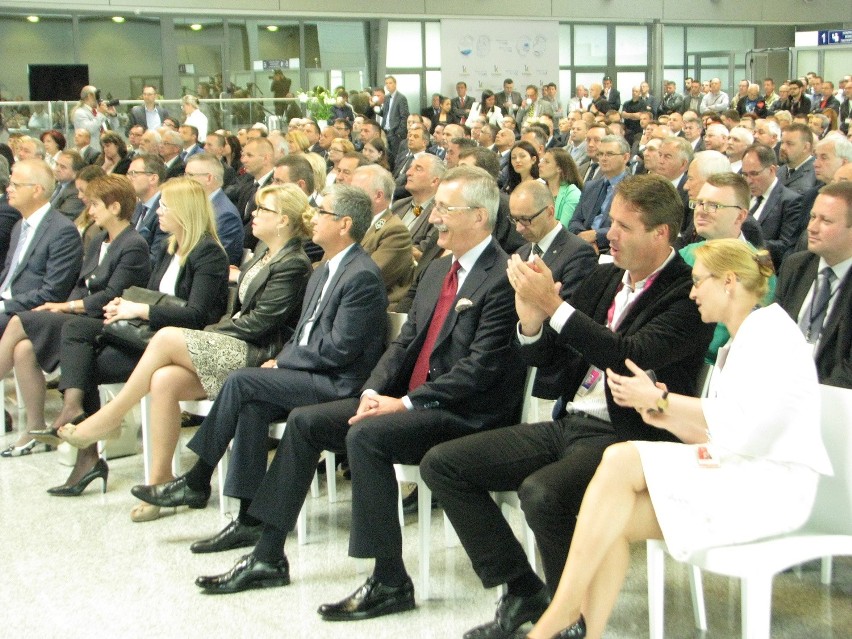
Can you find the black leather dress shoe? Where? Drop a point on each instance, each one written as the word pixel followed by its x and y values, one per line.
pixel 172 494
pixel 370 600
pixel 512 613
pixel 410 503
pixel 234 535
pixel 248 573
pixel 576 631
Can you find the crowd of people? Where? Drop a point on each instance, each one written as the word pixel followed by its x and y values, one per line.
pixel 621 249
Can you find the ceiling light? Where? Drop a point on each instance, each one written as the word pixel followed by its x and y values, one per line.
pixel 195 27
pixel 117 19
pixel 272 27
pixel 32 19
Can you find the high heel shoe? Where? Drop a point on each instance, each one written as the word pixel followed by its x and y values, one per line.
pixel 99 471
pixel 50 436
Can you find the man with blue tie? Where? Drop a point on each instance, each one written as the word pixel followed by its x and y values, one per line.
pixel 45 252
pixel 591 218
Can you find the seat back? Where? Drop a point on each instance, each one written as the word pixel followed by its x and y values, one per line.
pixel 832 512
pixel 395 322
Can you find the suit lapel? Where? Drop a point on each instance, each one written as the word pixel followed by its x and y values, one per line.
pixel 263 275
pixel 37 232
pixel 355 250
pixel 832 322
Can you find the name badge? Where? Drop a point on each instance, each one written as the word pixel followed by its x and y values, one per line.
pixel 706 457
pixel 591 380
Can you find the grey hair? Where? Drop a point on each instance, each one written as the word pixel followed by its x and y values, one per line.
pixel 479 189
pixel 623 147
pixel 211 163
pixel 354 203
pixel 709 163
pixel 380 180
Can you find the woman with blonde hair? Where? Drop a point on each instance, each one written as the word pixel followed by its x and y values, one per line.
pixel 116 259
pixel 194 268
pixel 336 150
pixel 750 458
pixel 298 142
pixel 188 364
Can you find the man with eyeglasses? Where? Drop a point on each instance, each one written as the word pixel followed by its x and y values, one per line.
pixel 337 341
pixel 591 217
pixel 637 308
pixel 777 208
pixel 45 251
pixel 146 173
pixel 149 115
pixel 171 144
pixel 206 169
pixel 450 372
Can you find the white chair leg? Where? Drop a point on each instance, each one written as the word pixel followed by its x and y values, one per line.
pixel 315 486
pixel 424 527
pixel 656 588
pixel 451 539
pixel 302 525
pixel 696 588
pixel 825 572
pixel 147 452
pixel 756 604
pixel 331 476
pixel 399 510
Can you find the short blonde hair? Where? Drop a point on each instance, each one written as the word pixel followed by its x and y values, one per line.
pixel 193 213
pixel 290 202
pixel 753 268
pixel 318 166
pixel 300 140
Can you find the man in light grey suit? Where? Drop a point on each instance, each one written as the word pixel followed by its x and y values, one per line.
pixel 94 116
pixel 329 356
pixel 532 107
pixel 394 116
pixel 45 252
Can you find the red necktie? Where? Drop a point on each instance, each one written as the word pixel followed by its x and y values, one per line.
pixel 442 309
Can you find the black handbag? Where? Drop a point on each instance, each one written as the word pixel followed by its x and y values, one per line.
pixel 135 334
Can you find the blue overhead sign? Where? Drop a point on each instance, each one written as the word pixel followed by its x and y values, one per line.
pixel 835 36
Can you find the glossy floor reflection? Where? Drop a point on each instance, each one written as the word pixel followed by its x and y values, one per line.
pixel 75 567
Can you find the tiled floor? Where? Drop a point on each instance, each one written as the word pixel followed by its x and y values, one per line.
pixel 78 567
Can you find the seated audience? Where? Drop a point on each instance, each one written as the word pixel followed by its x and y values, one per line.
pixel 116 259
pixel 54 144
pixel 114 158
pixel 376 151
pixel 523 165
pixel 559 171
pixel 487 108
pixel 66 198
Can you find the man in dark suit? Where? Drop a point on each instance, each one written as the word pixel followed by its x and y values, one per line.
pixel 422 181
pixel 45 252
pixel 636 308
pixel 149 115
pixel 65 198
pixel 826 266
pixel 611 94
pixel 207 170
pixel 591 217
pixel 447 374
pixel 797 148
pixel 845 112
pixel 82 143
pixel 189 134
pixel 777 208
pixel 171 145
pixel 328 357
pixel 258 159
pixel 147 173
pixel 462 103
pixel 215 144
pixel 673 160
pixel 569 258
pixel 394 116
pixel 508 99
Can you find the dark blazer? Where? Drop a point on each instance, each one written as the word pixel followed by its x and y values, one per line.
pixel 267 314
pixel 202 281
pixel 570 259
pixel 68 202
pixel 229 227
pixel 834 352
pixel 591 200
pixel 126 264
pixel 246 204
pixel 395 119
pixel 501 98
pixel 661 331
pixel 781 222
pixel 176 169
pixel 91 155
pixel 452 118
pixel 150 230
pixel 50 265
pixel 137 116
pixel 349 333
pixel 504 230
pixel 9 216
pixel 123 166
pixel 614 98
pixel 461 106
pixel 831 103
pixel 843 116
pixel 472 371
pixel 802 179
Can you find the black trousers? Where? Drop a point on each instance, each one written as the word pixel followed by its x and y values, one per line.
pixel 85 363
pixel 549 464
pixel 250 400
pixel 372 446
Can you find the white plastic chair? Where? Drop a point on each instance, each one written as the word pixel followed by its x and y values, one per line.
pixel 827 532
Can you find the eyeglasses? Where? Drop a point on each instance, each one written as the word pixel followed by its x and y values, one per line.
pixel 711 207
pixel 609 154
pixel 331 213
pixel 442 209
pixel 188 174
pixel 697 280
pixel 754 174
pixel 133 174
pixel 18 185
pixel 527 220
pixel 261 209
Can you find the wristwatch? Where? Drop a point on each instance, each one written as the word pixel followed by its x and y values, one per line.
pixel 663 402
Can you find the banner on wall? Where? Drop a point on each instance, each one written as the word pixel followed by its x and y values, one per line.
pixel 483 53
